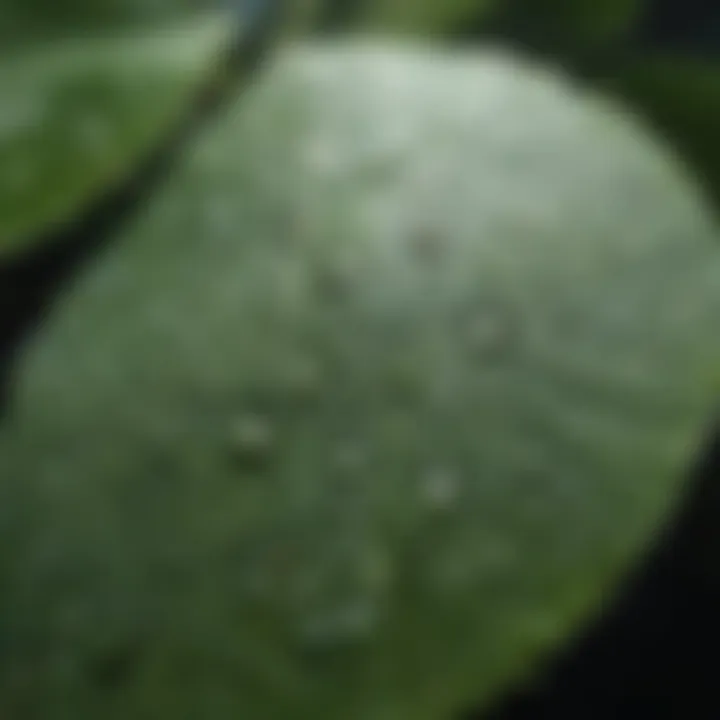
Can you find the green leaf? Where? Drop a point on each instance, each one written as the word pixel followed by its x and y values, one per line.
pixel 373 406
pixel 27 22
pixel 78 111
pixel 680 96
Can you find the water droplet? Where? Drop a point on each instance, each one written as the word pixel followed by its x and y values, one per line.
pixel 441 487
pixel 252 438
pixel 290 218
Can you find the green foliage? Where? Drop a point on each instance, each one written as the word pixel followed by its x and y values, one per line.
pixel 80 110
pixel 369 409
pixel 419 16
pixel 374 404
pixel 399 17
pixel 680 96
pixel 554 23
pixel 26 21
pixel 573 22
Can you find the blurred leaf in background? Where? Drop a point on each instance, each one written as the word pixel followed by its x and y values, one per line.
pixel 680 96
pixel 25 21
pixel 558 25
pixel 86 89
pixel 553 23
pixel 424 17
pixel 374 403
pixel 691 27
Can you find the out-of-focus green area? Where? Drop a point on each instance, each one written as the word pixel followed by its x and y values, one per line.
pixel 409 16
pixel 563 22
pixel 395 16
pixel 680 97
pixel 29 21
pixel 81 107
pixel 563 456
pixel 557 25
pixel 87 87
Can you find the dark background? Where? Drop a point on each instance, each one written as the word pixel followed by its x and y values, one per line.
pixel 655 652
